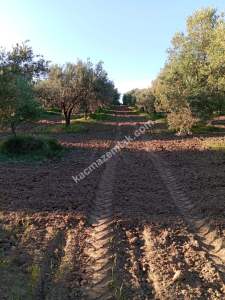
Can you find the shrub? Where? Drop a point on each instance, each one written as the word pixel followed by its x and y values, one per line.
pixel 31 147
pixel 181 121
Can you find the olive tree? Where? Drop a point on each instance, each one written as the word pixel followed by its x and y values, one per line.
pixel 19 68
pixel 145 100
pixel 193 76
pixel 80 87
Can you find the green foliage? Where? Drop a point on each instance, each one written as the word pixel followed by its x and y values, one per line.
pixel 201 128
pixel 30 147
pixel 49 113
pixel 181 120
pixel 22 61
pixel 74 88
pixel 156 116
pixel 35 273
pixel 129 98
pixel 99 116
pixel 18 69
pixel 194 73
pixel 17 104
pixel 145 100
pixel 102 110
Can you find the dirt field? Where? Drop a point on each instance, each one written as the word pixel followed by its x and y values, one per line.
pixel 147 224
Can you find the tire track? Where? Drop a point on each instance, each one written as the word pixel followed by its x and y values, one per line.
pixel 213 244
pixel 99 248
pixel 133 210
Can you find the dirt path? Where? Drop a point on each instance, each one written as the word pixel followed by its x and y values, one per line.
pixel 132 229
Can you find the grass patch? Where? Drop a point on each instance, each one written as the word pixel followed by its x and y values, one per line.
pixel 102 116
pixel 49 113
pixel 157 116
pixel 203 128
pixel 104 110
pixel 73 128
pixel 30 148
pixel 216 145
pixel 151 116
pixel 135 110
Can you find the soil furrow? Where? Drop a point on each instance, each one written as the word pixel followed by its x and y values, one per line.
pixel 207 235
pixel 131 281
pixel 54 253
pixel 133 229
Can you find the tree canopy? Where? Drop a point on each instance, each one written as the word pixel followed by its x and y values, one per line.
pixel 19 68
pixel 193 77
pixel 80 87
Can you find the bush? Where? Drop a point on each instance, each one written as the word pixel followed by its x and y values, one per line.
pixel 181 121
pixel 31 147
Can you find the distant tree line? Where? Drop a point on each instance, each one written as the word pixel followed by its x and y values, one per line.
pixel 191 86
pixel 143 99
pixel 29 84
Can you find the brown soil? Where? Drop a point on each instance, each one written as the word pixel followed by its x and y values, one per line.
pixel 148 224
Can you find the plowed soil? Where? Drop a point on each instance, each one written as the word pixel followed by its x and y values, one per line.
pixel 147 224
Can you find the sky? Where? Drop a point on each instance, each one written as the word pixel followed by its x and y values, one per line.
pixel 130 36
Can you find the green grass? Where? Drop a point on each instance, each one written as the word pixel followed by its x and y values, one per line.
pixel 156 116
pixel 104 110
pixel 100 116
pixel 29 148
pixel 151 116
pixel 202 128
pixel 75 127
pixel 103 114
pixel 49 113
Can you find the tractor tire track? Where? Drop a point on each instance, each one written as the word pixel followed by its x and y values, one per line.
pixel 99 247
pixel 213 244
